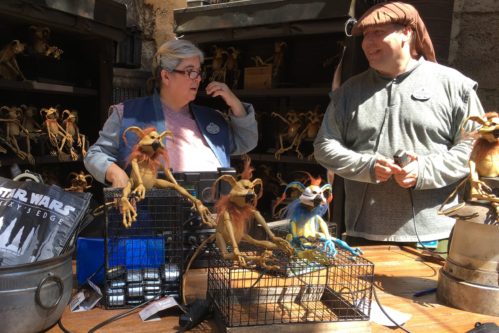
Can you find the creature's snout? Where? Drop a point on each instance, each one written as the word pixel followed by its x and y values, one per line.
pixel 249 197
pixel 318 200
pixel 156 144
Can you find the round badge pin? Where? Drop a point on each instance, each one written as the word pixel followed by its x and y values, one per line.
pixel 213 128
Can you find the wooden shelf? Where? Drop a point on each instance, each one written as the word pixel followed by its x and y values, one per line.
pixel 283 92
pixel 283 159
pixel 39 160
pixel 278 92
pixel 43 87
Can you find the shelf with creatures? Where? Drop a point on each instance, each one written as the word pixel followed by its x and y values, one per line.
pixel 308 232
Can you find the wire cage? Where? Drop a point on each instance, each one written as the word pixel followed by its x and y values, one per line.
pixel 145 260
pixel 301 292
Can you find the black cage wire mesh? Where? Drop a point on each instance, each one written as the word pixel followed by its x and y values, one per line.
pixel 301 292
pixel 145 260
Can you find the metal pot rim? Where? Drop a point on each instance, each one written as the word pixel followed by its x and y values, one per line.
pixel 45 262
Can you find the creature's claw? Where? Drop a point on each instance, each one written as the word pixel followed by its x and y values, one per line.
pixel 140 192
pixel 205 215
pixel 355 251
pixel 266 261
pixel 329 247
pixel 240 258
pixel 74 155
pixel 128 212
pixel 283 245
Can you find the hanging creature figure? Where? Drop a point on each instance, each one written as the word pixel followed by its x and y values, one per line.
pixel 70 124
pixel 307 226
pixel 58 137
pixel 79 182
pixel 14 131
pixel 145 161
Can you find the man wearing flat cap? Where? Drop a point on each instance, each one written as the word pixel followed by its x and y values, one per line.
pixel 406 101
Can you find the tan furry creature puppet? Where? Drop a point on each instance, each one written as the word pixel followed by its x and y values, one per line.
pixel 145 161
pixel 80 182
pixel 9 69
pixel 483 164
pixel 484 159
pixel 234 212
pixel 40 37
pixel 70 125
pixel 14 130
pixel 58 137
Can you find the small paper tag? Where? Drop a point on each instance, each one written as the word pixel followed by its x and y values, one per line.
pixel 86 298
pixel 149 312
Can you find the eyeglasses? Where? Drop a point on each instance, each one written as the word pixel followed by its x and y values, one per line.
pixel 190 73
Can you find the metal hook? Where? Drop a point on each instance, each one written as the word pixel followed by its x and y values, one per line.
pixel 349 25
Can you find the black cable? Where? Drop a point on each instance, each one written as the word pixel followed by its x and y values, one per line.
pixel 61 326
pixel 384 312
pixel 121 315
pixel 416 230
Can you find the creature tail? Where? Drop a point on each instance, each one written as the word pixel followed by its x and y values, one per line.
pixel 194 256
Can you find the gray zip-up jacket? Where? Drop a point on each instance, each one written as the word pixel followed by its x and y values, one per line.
pixel 421 111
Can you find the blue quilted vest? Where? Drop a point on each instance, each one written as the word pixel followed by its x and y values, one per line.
pixel 147 112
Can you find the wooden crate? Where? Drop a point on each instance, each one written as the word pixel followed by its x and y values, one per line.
pixel 258 77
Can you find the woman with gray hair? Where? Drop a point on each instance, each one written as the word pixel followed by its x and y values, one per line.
pixel 203 139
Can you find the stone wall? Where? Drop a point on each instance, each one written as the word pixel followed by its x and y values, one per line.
pixel 155 19
pixel 475 28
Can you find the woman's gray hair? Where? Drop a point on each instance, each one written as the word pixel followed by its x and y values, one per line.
pixel 168 57
pixel 171 54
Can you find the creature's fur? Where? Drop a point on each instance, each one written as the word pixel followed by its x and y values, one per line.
pixel 9 69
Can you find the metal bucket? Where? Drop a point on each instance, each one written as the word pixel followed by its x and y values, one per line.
pixel 470 278
pixel 33 296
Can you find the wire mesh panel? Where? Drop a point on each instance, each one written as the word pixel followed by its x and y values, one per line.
pixel 146 259
pixel 302 292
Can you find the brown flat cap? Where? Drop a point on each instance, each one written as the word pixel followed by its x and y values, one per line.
pixel 399 13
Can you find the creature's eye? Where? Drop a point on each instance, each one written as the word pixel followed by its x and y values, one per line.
pixel 314 192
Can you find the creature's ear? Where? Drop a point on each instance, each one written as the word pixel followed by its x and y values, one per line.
pixel 72 175
pixel 164 134
pixel 45 31
pixel 327 192
pixel 4 109
pixel 228 178
pixel 296 185
pixel 258 187
pixel 90 179
pixel 477 119
pixel 19 113
pixel 137 130
pixel 66 112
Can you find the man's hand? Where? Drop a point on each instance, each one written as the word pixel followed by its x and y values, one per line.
pixel 385 168
pixel 408 176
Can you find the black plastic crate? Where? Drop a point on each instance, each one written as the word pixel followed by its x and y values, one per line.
pixel 146 259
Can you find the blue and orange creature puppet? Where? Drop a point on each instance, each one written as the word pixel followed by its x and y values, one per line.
pixel 308 229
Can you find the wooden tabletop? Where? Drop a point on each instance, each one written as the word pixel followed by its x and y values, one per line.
pixel 399 273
